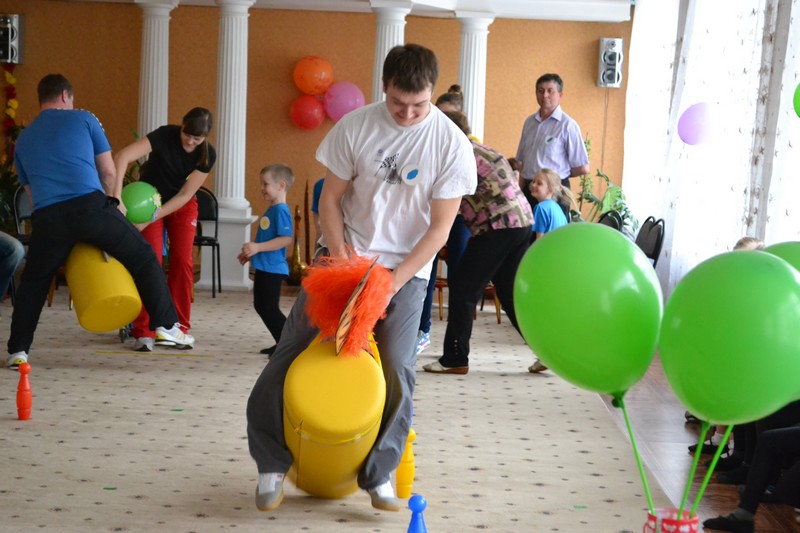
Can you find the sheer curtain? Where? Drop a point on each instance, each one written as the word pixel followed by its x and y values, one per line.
pixel 739 58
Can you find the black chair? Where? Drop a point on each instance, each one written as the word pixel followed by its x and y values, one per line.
pixel 22 219
pixel 612 219
pixel 650 238
pixel 208 211
pixel 22 215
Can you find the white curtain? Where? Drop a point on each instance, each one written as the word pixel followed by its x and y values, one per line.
pixel 739 58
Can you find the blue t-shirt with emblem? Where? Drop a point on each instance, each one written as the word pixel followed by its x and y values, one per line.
pixel 276 222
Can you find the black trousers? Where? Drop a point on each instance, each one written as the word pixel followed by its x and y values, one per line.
pixel 267 299
pixel 774 447
pixel 492 256
pixel 95 220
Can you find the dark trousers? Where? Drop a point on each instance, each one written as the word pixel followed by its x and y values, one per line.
pixel 746 435
pixel 774 447
pixel 492 256
pixel 267 299
pixel 94 220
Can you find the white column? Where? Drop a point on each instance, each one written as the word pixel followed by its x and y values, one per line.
pixel 391 23
pixel 472 66
pixel 231 121
pixel 154 67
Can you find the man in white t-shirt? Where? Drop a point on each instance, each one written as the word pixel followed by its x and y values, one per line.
pixel 396 173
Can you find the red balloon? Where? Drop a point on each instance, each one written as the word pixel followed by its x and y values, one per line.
pixel 307 112
pixel 313 75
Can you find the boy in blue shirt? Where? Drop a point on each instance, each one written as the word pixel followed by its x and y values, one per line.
pixel 268 252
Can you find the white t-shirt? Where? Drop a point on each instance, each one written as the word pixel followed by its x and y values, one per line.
pixel 396 171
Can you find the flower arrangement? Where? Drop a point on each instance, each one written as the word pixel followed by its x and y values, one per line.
pixel 11 130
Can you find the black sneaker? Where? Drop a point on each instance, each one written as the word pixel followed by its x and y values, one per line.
pixel 726 462
pixel 729 523
pixel 736 476
pixel 708 448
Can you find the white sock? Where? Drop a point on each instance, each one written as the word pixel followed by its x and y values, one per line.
pixel 266 482
pixel 716 438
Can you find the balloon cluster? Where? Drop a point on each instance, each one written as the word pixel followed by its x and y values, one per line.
pixel 321 96
pixel 589 304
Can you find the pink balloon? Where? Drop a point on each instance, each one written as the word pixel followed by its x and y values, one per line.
pixel 695 124
pixel 341 98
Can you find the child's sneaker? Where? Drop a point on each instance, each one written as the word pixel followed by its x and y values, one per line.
pixel 423 341
pixel 173 337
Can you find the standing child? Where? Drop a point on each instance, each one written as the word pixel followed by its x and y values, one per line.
pixel 547 189
pixel 268 252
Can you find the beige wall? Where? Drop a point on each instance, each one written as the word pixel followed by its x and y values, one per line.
pixel 98 47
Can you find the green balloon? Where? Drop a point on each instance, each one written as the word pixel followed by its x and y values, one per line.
pixel 141 200
pixel 589 304
pixel 788 251
pixel 730 346
pixel 797 100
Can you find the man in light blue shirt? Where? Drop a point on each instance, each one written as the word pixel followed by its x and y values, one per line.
pixel 551 138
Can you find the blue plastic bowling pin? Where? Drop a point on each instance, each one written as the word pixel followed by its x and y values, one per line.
pixel 417 504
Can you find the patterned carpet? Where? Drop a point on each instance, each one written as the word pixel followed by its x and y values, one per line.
pixel 123 441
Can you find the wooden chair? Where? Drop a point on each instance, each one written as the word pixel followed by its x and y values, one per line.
pixel 441 283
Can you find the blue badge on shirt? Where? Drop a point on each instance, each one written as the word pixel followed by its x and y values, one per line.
pixel 410 174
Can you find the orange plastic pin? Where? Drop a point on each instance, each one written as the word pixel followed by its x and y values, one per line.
pixel 24 396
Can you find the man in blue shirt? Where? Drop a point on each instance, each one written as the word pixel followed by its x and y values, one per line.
pixel 63 159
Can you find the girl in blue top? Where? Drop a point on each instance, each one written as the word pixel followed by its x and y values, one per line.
pixel 547 189
pixel 268 252
pixel 547 215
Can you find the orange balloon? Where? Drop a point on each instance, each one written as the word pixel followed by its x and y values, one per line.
pixel 313 75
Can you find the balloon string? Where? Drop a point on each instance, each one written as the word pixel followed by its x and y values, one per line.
pixel 619 402
pixel 722 445
pixel 703 431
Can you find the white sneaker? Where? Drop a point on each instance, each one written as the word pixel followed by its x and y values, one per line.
pixel 143 344
pixel 423 341
pixel 269 491
pixel 173 337
pixel 16 359
pixel 383 497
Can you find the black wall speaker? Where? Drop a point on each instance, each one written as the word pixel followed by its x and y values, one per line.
pixel 11 31
pixel 609 69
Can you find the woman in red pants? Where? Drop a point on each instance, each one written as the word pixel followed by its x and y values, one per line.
pixel 180 159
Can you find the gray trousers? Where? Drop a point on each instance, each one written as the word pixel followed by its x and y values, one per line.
pixel 396 336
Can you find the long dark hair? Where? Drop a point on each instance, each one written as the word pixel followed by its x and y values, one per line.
pixel 198 122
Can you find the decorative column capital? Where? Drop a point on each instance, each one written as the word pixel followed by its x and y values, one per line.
pixel 474 20
pixel 158 7
pixel 235 6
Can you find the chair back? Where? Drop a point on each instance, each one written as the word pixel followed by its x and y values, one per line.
pixel 22 214
pixel 207 207
pixel 650 238
pixel 612 219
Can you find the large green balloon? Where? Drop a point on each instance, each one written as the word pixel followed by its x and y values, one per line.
pixel 730 340
pixel 797 100
pixel 589 304
pixel 141 200
pixel 788 251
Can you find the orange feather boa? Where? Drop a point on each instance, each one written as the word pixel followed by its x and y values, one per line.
pixel 330 282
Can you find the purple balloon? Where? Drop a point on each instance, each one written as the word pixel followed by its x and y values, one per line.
pixel 341 98
pixel 694 126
